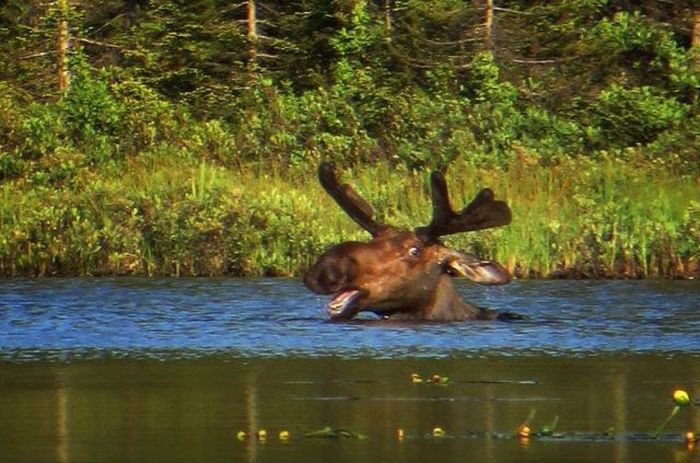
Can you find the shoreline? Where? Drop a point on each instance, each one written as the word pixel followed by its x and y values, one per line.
pixel 581 218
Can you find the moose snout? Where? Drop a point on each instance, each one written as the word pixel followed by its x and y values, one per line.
pixel 328 275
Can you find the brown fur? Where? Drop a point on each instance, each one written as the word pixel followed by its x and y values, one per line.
pixel 405 274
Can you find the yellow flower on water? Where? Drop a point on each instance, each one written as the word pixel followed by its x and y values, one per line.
pixel 437 379
pixel 524 432
pixel 680 397
pixel 438 432
pixel 415 377
pixel 262 434
pixel 399 434
pixel 241 435
pixel 284 435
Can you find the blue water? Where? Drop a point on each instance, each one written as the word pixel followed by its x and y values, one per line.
pixel 64 319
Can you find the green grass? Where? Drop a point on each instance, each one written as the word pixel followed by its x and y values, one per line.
pixel 162 215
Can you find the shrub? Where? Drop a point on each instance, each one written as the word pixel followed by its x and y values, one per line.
pixel 89 108
pixel 147 118
pixel 622 117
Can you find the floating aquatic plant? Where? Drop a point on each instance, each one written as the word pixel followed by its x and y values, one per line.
pixel 329 432
pixel 434 379
pixel 548 430
pixel 523 431
pixel 681 399
pixel 441 380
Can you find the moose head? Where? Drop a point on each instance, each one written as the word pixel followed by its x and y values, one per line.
pixel 403 274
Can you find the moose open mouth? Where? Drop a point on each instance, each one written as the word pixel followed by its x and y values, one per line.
pixel 344 303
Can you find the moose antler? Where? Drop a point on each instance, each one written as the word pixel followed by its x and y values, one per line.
pixel 483 212
pixel 353 205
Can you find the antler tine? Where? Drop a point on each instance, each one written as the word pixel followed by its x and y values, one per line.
pixel 353 205
pixel 483 212
pixel 442 210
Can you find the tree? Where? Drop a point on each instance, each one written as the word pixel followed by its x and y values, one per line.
pixel 252 37
pixel 62 47
pixel 489 23
pixel 695 38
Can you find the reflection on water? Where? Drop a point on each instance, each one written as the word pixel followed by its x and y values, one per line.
pixel 62 433
pixel 171 370
pixel 191 410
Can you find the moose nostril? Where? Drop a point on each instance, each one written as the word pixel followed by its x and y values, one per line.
pixel 326 276
pixel 332 277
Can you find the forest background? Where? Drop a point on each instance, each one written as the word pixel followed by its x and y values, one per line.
pixel 170 137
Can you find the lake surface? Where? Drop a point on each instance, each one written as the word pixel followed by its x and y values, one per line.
pixel 134 369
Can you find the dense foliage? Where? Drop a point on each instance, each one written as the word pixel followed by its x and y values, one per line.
pixel 119 170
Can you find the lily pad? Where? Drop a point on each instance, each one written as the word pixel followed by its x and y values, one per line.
pixel 336 433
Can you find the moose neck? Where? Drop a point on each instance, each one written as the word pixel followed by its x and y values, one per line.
pixel 446 305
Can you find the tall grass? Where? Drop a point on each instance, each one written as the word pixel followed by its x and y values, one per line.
pixel 163 215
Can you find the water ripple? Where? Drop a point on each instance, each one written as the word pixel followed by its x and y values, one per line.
pixel 64 319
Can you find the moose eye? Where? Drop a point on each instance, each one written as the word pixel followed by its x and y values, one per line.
pixel 414 251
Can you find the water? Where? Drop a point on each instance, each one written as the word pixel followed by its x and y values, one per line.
pixel 174 318
pixel 136 369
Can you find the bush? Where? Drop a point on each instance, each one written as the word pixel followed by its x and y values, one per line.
pixel 429 129
pixel 45 131
pixel 643 53
pixel 10 166
pixel 13 133
pixel 11 119
pixel 148 118
pixel 493 114
pixel 622 117
pixel 90 109
pixel 677 147
pixel 550 135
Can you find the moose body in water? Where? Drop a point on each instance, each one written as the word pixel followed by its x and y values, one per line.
pixel 402 274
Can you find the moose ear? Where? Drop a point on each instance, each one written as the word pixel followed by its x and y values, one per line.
pixel 348 199
pixel 480 271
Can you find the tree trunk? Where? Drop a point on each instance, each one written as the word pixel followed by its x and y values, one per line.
pixel 695 38
pixel 489 24
pixel 252 40
pixel 62 46
pixel 387 21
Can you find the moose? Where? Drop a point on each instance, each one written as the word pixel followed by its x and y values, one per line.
pixel 402 274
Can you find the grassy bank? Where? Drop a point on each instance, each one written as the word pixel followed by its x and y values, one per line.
pixel 159 215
